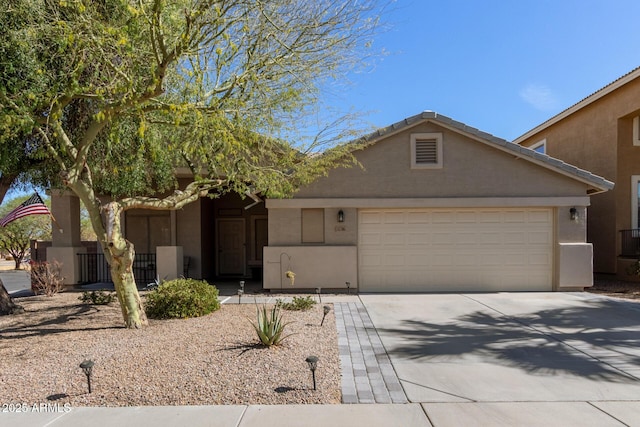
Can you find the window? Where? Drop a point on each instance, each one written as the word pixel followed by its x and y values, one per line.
pixel 636 130
pixel 540 146
pixel 635 201
pixel 312 225
pixel 426 150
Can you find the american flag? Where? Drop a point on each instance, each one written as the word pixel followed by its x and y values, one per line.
pixel 32 206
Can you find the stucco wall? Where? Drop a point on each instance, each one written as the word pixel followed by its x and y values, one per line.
pixel 598 138
pixel 473 175
pixel 314 266
pixel 471 169
pixel 189 237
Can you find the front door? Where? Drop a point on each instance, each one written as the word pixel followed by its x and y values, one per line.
pixel 230 242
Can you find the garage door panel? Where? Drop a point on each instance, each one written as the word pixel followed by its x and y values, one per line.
pixel 539 237
pixel 456 249
pixel 394 239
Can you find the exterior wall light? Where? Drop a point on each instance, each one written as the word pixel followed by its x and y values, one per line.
pixel 573 214
pixel 312 361
pixel 340 216
pixel 87 367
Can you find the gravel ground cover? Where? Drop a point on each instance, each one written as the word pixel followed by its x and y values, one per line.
pixel 610 286
pixel 215 359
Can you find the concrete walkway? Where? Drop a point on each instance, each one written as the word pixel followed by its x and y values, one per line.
pixel 504 359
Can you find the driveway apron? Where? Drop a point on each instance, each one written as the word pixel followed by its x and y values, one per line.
pixel 511 347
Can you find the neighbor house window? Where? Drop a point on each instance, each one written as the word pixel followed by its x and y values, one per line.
pixel 635 201
pixel 426 150
pixel 540 146
pixel 312 225
pixel 636 130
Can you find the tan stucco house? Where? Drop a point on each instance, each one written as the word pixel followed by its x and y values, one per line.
pixel 601 133
pixel 435 206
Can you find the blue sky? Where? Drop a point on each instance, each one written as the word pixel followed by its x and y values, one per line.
pixel 502 66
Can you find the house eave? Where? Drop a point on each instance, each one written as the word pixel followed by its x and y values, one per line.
pixel 632 75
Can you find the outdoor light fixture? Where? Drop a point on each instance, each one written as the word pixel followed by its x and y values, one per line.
pixel 312 361
pixel 318 291
pixel 326 309
pixel 340 216
pixel 242 284
pixel 573 214
pixel 348 287
pixel 87 367
pixel 240 292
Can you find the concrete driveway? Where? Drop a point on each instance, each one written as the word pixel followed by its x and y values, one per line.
pixel 514 358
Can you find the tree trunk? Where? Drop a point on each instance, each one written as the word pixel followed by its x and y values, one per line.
pixel 120 257
pixel 125 284
pixel 7 306
pixel 17 261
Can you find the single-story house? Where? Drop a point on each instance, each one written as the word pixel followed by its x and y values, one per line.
pixel 434 206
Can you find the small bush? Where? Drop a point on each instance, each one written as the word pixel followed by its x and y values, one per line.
pixel 46 277
pixel 182 298
pixel 298 303
pixel 97 297
pixel 270 326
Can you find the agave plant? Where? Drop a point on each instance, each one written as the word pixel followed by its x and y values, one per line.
pixel 270 325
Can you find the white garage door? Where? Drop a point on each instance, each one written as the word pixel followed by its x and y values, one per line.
pixel 439 250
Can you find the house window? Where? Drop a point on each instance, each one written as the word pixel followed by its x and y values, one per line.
pixel 312 225
pixel 426 150
pixel 636 130
pixel 635 201
pixel 540 146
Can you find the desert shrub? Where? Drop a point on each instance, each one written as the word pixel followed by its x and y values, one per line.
pixel 46 277
pixel 298 303
pixel 182 298
pixel 270 325
pixel 97 297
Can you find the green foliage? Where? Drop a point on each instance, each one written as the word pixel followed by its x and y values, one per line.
pixel 297 304
pixel 112 97
pixel 15 237
pixel 97 297
pixel 182 298
pixel 270 325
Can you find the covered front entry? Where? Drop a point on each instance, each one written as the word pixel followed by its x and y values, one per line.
pixel 463 249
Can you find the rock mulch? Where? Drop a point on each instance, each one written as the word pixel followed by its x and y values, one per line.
pixel 215 359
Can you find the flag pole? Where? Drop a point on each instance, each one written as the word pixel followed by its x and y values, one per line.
pixel 56 223
pixel 53 218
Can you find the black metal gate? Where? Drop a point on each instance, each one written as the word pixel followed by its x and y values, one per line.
pixel 94 269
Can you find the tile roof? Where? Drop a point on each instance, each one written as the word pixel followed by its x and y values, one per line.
pixel 597 183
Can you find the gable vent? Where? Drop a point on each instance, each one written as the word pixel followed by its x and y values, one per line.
pixel 426 152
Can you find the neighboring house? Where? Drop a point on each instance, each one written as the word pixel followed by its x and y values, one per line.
pixel 601 133
pixel 435 206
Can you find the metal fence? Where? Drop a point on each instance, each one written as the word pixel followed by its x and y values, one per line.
pixel 630 247
pixel 94 269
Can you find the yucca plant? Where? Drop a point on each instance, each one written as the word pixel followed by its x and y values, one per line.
pixel 270 325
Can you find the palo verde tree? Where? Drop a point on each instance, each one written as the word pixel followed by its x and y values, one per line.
pixel 120 93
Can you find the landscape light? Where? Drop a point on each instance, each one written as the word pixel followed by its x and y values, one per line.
pixel 326 309
pixel 87 368
pixel 312 361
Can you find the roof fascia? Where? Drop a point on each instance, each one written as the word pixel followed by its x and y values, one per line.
pixel 632 75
